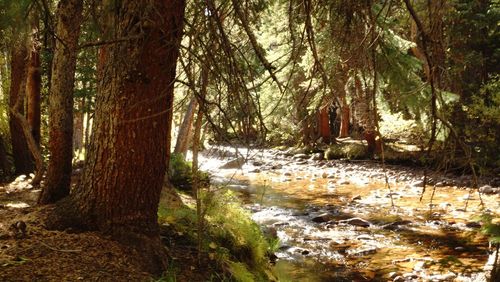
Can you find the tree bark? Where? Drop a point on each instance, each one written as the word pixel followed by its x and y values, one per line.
pixel 126 162
pixel 324 124
pixel 345 113
pixel 78 126
pixel 69 16
pixel 23 161
pixel 34 81
pixel 181 146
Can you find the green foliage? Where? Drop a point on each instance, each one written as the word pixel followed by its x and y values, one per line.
pixel 240 272
pixel 181 173
pixel 490 228
pixel 231 238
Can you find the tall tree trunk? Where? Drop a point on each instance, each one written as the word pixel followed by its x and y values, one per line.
pixel 126 162
pixel 34 81
pixel 181 146
pixel 69 16
pixel 23 161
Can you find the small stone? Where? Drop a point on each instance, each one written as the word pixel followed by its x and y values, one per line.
pixel 356 198
pixel 419 183
pixel 398 279
pixel 410 275
pixel 487 189
pixel 356 221
pixel 419 266
pixel 300 156
pixel 287 173
pixel 344 182
pixel 473 224
pixel 324 217
pixel 392 275
pixel 450 276
pixel 364 237
pixel 255 170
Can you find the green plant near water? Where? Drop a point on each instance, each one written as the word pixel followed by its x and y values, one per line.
pixel 231 238
pixel 491 227
pixel 180 173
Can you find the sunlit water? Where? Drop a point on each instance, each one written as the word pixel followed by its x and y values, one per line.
pixel 306 206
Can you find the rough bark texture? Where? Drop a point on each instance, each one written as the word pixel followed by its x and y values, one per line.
pixel 181 146
pixel 126 162
pixel 34 82
pixel 23 161
pixel 69 15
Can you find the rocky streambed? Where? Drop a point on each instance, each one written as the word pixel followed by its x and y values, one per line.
pixel 360 221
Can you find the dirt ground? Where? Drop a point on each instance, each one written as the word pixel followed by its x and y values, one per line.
pixel 38 254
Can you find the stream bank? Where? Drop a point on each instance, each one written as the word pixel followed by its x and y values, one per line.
pixel 335 220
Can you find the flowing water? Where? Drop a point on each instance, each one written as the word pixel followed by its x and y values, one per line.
pixel 335 220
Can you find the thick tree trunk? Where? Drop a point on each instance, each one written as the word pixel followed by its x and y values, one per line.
pixel 34 82
pixel 69 15
pixel 23 161
pixel 181 146
pixel 126 162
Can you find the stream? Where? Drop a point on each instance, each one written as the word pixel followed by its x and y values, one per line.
pixel 342 221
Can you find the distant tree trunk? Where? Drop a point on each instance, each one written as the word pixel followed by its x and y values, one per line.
pixel 4 166
pixel 126 162
pixel 181 146
pixel 78 126
pixel 34 81
pixel 324 124
pixel 23 161
pixel 344 119
pixel 69 16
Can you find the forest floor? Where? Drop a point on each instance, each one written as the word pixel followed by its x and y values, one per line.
pixel 33 253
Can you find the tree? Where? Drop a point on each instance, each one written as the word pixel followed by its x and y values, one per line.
pixel 34 79
pixel 23 161
pixel 126 161
pixel 69 15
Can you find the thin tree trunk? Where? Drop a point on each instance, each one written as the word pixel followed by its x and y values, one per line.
pixel 69 16
pixel 23 161
pixel 181 146
pixel 345 113
pixel 126 162
pixel 78 127
pixel 324 124
pixel 34 82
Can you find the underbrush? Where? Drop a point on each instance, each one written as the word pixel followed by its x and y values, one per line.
pixel 230 239
pixel 181 175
